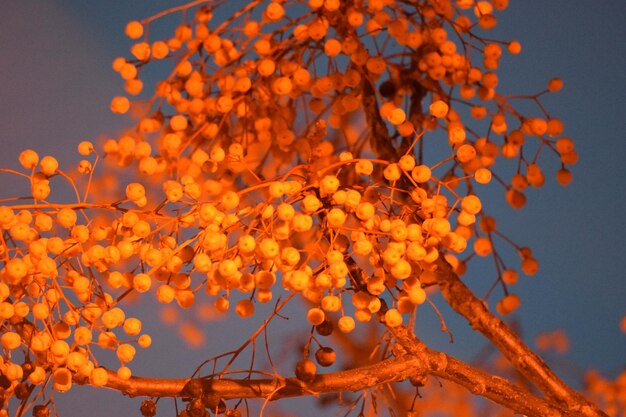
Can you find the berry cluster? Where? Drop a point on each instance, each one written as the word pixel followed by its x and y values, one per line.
pixel 334 150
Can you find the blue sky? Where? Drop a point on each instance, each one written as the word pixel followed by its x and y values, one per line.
pixel 56 83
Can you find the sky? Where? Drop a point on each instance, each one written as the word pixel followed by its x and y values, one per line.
pixel 56 83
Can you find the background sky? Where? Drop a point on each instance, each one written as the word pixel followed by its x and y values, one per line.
pixel 56 82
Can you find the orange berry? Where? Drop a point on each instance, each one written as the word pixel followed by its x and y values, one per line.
pixel 336 218
pixel 141 51
pixel 555 127
pixel 490 80
pixel 509 276
pixel 128 71
pixel 332 5
pixel 439 109
pixel 346 324
pixel 118 63
pixel 478 112
pixel 134 29
pixel 135 191
pixel 519 182
pixel 535 175
pixel 332 47
pixel 538 126
pixel 132 326
pixel 315 316
pixel 124 372
pixel 230 200
pixel 482 246
pixel 471 204
pixel 396 117
pixel 11 340
pixel 393 318
pixel 48 165
pixel 178 122
pixel 160 50
pixel 125 352
pixel 564 176
pixel 274 11
pixel 500 4
pixel 328 185
pixel 515 198
pixel 142 282
pixel 85 148
pixel 564 145
pixel 120 105
pixel 98 377
pixel 421 174
pixel 165 294
pixel 185 298
pixel 282 86
pixel 392 172
pixel 569 158
pixel 244 308
pixel 417 295
pixel 37 376
pixel 16 269
pixel 482 176
pixel 508 304
pixel 530 266
pixel 514 47
pixel 62 378
pixel 325 356
pixel 306 370
pixel 555 84
pixel 29 159
pixel 465 153
pixel 266 67
pixel 364 167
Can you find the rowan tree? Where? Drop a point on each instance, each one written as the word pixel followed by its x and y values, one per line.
pixel 321 159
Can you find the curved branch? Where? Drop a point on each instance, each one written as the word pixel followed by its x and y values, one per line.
pixel 478 382
pixel 418 361
pixel 529 364
pixel 383 372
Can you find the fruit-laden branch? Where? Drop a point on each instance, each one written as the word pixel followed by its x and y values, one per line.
pixel 464 302
pixel 529 364
pixel 419 361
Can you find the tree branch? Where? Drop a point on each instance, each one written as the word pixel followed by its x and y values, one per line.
pixel 529 364
pixel 418 361
pixel 478 382
pixel 386 371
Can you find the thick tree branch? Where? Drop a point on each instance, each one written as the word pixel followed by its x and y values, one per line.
pixel 418 361
pixel 529 364
pixel 478 382
pixel 390 370
pixel 379 135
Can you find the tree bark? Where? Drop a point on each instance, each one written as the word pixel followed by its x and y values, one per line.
pixel 417 361
pixel 528 363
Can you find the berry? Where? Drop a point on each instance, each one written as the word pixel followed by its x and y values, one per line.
pixel 306 370
pixel 325 356
pixel 148 408
pixel 134 29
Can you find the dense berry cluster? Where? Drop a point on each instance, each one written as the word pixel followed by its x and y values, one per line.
pixel 333 149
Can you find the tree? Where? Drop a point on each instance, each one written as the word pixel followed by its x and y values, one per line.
pixel 341 152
